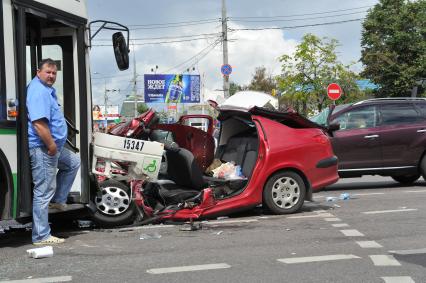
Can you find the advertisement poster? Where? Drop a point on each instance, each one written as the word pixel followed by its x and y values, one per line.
pixel 99 112
pixel 167 88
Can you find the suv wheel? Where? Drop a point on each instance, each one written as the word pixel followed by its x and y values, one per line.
pixel 406 179
pixel 284 192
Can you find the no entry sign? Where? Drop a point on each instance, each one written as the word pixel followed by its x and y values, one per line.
pixel 334 91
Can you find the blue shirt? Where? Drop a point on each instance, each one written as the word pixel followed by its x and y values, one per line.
pixel 42 103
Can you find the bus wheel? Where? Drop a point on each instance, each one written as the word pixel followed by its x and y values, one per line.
pixel 114 205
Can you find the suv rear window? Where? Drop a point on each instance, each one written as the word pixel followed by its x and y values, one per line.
pixel 401 113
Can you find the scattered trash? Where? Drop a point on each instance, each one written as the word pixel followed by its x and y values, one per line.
pixel 46 251
pixel 330 198
pixel 293 253
pixel 150 236
pixel 84 223
pixel 402 207
pixel 218 233
pixel 190 227
pixel 288 229
pixel 336 205
pixel 344 196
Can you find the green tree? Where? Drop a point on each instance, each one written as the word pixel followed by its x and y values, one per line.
pixel 233 88
pixel 307 73
pixel 262 81
pixel 142 108
pixel 394 45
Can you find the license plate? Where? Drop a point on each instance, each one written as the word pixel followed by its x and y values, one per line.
pixel 131 144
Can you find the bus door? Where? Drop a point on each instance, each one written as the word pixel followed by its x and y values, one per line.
pixel 44 34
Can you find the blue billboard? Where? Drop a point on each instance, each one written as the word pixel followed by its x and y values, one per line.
pixel 178 88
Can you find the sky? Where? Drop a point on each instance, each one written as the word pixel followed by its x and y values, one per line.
pixel 255 38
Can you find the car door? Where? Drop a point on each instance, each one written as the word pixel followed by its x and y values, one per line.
pixel 402 134
pixel 194 133
pixel 356 143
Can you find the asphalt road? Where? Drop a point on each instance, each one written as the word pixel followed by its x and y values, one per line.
pixel 378 235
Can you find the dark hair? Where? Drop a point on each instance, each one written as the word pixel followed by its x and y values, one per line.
pixel 47 61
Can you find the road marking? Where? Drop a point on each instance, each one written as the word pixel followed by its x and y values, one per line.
pixel 42 280
pixel 188 268
pixel 389 211
pixel 312 216
pixel 384 260
pixel 352 233
pixel 292 260
pixel 338 225
pixel 369 244
pixel 409 252
pixel 333 219
pixel 319 211
pixel 398 279
pixel 417 191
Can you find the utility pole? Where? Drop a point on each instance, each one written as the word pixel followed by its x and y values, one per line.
pixel 225 48
pixel 106 105
pixel 134 82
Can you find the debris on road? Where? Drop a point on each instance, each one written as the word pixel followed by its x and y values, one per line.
pixel 46 251
pixel 344 196
pixel 218 233
pixel 330 198
pixel 155 235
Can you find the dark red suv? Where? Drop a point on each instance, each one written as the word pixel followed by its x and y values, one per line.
pixel 383 136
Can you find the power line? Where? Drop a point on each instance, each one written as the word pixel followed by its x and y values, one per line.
pixel 305 14
pixel 173 26
pixel 300 26
pixel 184 62
pixel 164 37
pixel 300 19
pixel 163 42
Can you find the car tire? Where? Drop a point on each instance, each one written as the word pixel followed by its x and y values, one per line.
pixel 284 193
pixel 406 179
pixel 114 206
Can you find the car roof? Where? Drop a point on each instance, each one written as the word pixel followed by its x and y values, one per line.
pixel 245 100
pixel 390 99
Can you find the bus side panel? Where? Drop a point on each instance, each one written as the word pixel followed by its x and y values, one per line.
pixel 8 174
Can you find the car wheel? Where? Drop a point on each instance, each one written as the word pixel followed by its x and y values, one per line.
pixel 406 179
pixel 284 192
pixel 113 204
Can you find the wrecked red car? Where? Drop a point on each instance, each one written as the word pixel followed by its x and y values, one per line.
pixel 154 172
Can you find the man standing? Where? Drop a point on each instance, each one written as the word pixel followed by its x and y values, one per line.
pixel 47 134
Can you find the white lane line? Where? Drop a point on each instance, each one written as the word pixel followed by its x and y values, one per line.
pixel 292 260
pixel 369 244
pixel 398 279
pixel 384 260
pixel 339 225
pixel 352 233
pixel 389 211
pixel 312 216
pixel 332 219
pixel 42 280
pixel 409 252
pixel 416 191
pixel 188 268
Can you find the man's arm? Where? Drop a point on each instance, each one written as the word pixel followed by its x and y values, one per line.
pixel 43 132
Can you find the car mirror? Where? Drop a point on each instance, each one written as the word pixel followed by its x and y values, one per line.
pixel 121 51
pixel 333 127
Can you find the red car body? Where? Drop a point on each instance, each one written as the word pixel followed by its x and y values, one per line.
pixel 281 147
